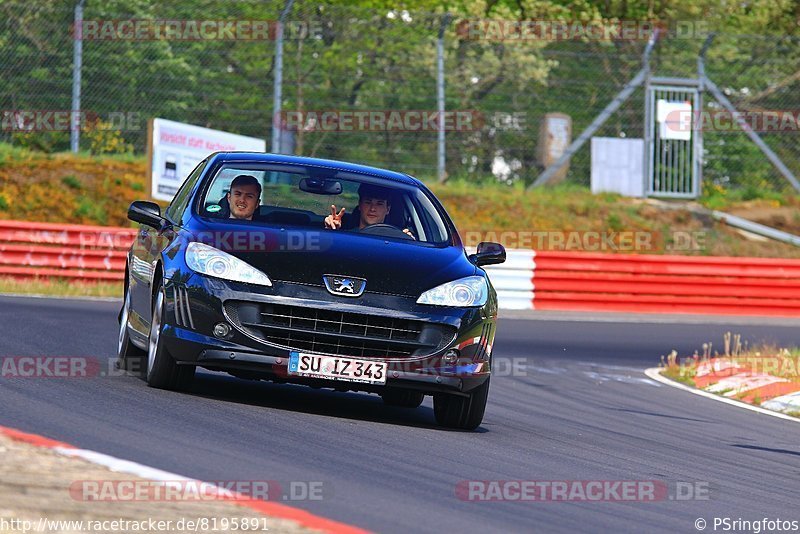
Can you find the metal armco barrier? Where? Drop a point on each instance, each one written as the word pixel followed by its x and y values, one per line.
pixel 91 253
pixel 528 280
pixel 648 283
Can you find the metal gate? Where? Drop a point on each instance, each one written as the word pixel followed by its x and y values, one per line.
pixel 673 142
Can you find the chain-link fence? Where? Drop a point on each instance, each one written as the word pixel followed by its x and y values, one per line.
pixel 339 60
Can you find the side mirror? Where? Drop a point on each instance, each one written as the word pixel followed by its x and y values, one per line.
pixel 147 213
pixel 488 254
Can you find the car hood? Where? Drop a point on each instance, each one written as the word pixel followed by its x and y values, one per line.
pixel 388 265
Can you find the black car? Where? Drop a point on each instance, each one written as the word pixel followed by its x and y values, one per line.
pixel 387 302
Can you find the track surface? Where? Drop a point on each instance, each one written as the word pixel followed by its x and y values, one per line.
pixel 580 409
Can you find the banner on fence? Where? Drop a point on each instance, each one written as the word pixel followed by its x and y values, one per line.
pixel 175 148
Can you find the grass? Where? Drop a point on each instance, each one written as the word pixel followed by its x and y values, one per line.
pixel 72 181
pixel 59 287
pixel 718 198
pixel 10 152
pixel 678 376
pixel 679 373
pixel 782 362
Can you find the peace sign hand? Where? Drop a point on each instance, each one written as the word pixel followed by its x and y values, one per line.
pixel 334 220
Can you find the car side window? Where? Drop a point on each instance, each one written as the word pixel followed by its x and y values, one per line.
pixel 178 205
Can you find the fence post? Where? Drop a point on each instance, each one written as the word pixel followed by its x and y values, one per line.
pixel 77 63
pixel 277 83
pixel 440 166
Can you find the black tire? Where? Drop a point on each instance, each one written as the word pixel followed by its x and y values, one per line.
pixel 465 413
pixel 402 398
pixel 130 358
pixel 162 370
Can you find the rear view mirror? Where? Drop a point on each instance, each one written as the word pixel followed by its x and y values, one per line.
pixel 488 254
pixel 321 186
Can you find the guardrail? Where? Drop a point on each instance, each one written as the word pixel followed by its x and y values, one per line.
pixel 648 283
pixel 91 253
pixel 528 280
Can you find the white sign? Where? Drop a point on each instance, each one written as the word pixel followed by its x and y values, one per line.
pixel 559 128
pixel 617 166
pixel 674 120
pixel 177 148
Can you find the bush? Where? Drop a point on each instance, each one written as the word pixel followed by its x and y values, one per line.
pixel 103 139
pixel 48 141
pixel 72 182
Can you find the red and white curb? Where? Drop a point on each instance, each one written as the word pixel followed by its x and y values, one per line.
pixel 655 374
pixel 784 403
pixel 273 510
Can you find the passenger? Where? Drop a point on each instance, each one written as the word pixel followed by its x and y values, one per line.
pixel 374 204
pixel 244 197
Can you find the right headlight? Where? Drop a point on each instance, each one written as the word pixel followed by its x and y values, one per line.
pixel 205 259
pixel 464 292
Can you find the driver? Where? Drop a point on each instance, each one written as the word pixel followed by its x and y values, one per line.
pixel 374 204
pixel 244 197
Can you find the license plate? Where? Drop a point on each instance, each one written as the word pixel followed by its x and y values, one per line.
pixel 337 368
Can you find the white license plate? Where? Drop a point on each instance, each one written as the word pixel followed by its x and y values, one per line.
pixel 337 368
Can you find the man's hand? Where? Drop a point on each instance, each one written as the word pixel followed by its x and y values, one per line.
pixel 334 220
pixel 410 233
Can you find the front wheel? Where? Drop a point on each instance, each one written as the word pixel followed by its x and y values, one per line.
pixel 465 413
pixel 163 372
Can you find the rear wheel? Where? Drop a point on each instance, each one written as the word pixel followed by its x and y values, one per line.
pixel 162 370
pixel 466 413
pixel 402 398
pixel 130 358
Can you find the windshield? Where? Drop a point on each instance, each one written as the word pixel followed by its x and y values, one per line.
pixel 313 198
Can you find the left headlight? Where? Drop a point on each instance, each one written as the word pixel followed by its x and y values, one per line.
pixel 205 259
pixel 468 291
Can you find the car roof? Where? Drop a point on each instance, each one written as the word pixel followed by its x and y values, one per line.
pixel 262 157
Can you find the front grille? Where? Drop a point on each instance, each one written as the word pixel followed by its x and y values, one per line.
pixel 341 333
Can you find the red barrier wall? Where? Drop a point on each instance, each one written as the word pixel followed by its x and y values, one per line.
pixel 63 250
pixel 677 284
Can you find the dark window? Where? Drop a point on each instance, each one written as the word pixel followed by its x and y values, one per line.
pixel 178 205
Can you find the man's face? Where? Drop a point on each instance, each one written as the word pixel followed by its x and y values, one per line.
pixel 373 210
pixel 243 201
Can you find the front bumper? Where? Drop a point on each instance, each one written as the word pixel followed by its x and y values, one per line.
pixel 196 305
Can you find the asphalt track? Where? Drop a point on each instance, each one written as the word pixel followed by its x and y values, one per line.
pixel 571 404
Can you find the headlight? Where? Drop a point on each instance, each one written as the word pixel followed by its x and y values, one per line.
pixel 469 291
pixel 204 259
